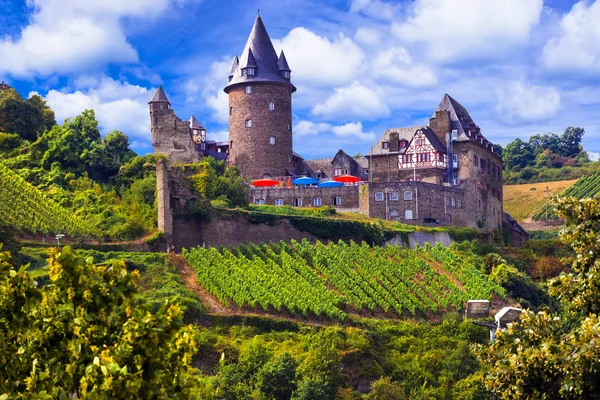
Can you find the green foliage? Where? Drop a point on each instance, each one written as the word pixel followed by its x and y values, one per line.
pixel 462 234
pixel 9 141
pixel 28 118
pixel 297 277
pixel 385 389
pixel 156 238
pixel 324 211
pixel 82 335
pixel 555 356
pixel 276 379
pixel 519 286
pixel 215 180
pixel 311 389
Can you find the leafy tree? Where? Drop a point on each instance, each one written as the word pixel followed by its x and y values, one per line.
pixel 385 389
pixel 552 356
pixel 277 378
pixel 498 149
pixel 82 335
pixel 215 180
pixel 517 154
pixel 27 118
pixel 312 389
pixel 571 142
pixel 549 141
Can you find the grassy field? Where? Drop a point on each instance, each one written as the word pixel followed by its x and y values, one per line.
pixel 520 201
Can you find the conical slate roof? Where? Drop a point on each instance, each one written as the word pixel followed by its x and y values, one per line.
pixel 234 67
pixel 159 96
pixel 258 51
pixel 282 63
pixel 459 117
pixel 194 124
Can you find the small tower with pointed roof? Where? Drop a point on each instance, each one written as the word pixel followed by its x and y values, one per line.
pixel 260 108
pixel 4 86
pixel 171 136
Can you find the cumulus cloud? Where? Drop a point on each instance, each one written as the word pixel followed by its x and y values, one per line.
pixel 593 156
pixel 209 87
pixel 577 47
pixel 317 60
pixel 118 105
pixel 458 29
pixel 66 36
pixel 396 66
pixel 353 102
pixel 368 36
pixel 352 130
pixel 522 102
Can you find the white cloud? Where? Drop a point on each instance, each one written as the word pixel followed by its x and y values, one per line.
pixel 118 105
pixel 577 47
pixel 353 102
pixel 593 156
pixel 368 36
pixel 453 29
pixel 219 136
pixel 396 66
pixel 210 88
pixel 66 36
pixel 375 9
pixel 318 60
pixel 522 102
pixel 350 130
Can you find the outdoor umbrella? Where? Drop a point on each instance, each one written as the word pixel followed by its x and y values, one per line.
pixel 265 182
pixel 330 184
pixel 346 179
pixel 305 180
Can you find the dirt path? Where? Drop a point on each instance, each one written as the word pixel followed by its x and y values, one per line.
pixel 189 279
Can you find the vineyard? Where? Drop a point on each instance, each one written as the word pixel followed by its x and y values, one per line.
pixel 330 280
pixel 24 207
pixel 587 186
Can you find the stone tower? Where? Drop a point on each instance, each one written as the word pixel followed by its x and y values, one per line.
pixel 170 135
pixel 260 108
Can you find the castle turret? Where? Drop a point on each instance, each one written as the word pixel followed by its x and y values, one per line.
pixel 4 86
pixel 170 135
pixel 260 108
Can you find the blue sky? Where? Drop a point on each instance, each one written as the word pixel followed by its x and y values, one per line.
pixel 520 67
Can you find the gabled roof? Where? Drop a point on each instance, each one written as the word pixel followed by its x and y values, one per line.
pixel 403 133
pixel 194 124
pixel 234 67
pixel 434 140
pixel 460 119
pixel 282 63
pixel 250 61
pixel 513 224
pixel 260 49
pixel 159 96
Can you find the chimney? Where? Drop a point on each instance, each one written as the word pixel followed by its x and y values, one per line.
pixel 394 141
pixel 440 124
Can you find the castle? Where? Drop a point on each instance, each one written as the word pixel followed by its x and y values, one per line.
pixel 445 173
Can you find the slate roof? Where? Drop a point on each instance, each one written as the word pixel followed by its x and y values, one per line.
pixel 321 165
pixel 258 51
pixel 434 140
pixel 403 133
pixel 159 96
pixel 194 124
pixel 514 225
pixel 282 63
pixel 460 119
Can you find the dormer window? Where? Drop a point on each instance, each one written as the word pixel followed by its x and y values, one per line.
pixel 385 145
pixel 251 71
pixel 286 74
pixel 403 143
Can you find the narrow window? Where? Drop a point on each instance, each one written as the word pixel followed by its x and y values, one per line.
pixel 298 202
pixel 379 196
pixel 271 139
pixel 231 145
pixel 248 89
pixel 278 202
pixel 385 145
pixel 337 201
pixel 289 127
pixel 453 203
pixel 408 214
pixel 393 196
pixel 447 202
pixel 251 72
pixel 156 120
pixel 248 123
pixel 476 161
pixel 317 202
pixel 408 195
pixel 459 203
pixel 230 110
pixel 271 106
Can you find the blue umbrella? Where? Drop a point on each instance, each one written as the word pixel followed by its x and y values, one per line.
pixel 330 184
pixel 305 180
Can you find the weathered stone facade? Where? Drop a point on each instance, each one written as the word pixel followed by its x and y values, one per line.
pixel 417 203
pixel 344 198
pixel 265 147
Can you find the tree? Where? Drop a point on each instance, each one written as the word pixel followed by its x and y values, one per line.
pixel 552 356
pixel 571 142
pixel 312 389
pixel 81 335
pixel 517 154
pixel 549 141
pixel 385 389
pixel 277 378
pixel 498 149
pixel 28 118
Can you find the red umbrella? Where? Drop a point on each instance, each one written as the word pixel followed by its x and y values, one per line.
pixel 346 179
pixel 265 182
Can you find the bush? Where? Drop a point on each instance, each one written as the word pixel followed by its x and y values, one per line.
pixel 311 389
pixel 385 389
pixel 277 378
pixel 462 234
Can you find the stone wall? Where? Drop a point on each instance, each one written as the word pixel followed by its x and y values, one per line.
pixel 437 202
pixel 171 136
pixel 250 148
pixel 347 194
pixel 420 238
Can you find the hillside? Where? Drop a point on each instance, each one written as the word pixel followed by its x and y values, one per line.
pixel 336 279
pixel 521 201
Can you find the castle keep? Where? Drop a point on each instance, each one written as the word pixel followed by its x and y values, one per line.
pixel 444 173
